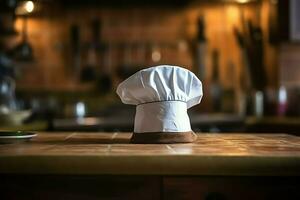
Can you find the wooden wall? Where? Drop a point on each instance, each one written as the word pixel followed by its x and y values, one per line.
pixel 289 65
pixel 49 36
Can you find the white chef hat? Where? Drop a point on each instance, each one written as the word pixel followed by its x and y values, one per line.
pixel 162 95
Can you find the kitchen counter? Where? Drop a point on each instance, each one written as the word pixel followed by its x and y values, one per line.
pixel 111 153
pixel 105 166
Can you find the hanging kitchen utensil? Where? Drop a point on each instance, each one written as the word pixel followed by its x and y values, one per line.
pixel 7 18
pixel 215 86
pixel 245 79
pixel 24 51
pixel 273 23
pixel 256 55
pixel 75 49
pixel 201 49
pixel 89 70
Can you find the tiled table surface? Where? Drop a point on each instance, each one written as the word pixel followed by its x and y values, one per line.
pixel 111 153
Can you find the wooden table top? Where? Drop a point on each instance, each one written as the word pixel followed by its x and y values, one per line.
pixel 111 153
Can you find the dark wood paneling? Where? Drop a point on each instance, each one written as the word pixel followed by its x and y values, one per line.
pixel 230 188
pixel 79 187
pixel 283 19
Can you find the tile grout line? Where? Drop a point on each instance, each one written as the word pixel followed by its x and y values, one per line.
pixel 65 139
pixel 110 146
pixel 114 135
pixel 170 148
pixel 108 149
pixel 69 136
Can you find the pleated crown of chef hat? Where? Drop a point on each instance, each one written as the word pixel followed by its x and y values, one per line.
pixel 162 95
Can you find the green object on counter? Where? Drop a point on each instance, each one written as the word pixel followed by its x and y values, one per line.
pixel 15 136
pixel 34 126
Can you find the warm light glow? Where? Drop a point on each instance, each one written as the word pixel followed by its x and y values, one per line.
pixel 242 1
pixel 233 13
pixel 156 56
pixel 182 45
pixel 29 6
pixel 25 7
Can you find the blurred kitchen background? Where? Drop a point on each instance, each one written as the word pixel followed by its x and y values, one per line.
pixel 61 61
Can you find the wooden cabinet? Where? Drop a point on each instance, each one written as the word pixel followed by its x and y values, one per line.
pixel 49 187
pixel 230 188
pixel 148 187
